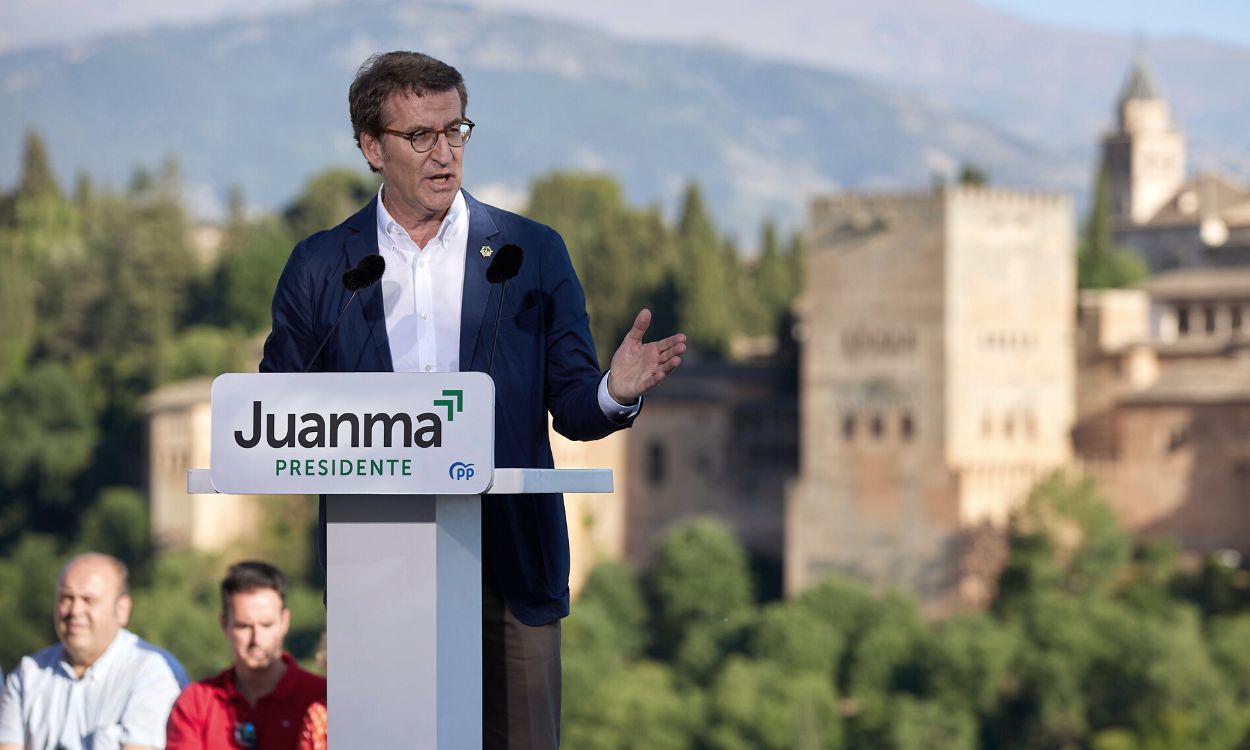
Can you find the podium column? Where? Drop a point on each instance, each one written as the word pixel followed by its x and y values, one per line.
pixel 404 603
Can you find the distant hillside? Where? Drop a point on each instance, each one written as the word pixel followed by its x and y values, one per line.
pixel 262 103
pixel 1045 83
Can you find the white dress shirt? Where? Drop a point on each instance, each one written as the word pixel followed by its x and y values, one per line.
pixel 123 698
pixel 423 291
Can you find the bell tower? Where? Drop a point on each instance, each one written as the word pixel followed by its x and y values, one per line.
pixel 1145 156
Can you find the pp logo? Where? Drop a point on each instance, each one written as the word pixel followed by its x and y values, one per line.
pixel 460 470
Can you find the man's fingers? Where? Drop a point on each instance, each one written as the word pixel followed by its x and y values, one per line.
pixel 677 339
pixel 666 350
pixel 642 321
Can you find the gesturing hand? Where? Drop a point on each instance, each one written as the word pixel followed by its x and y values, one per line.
pixel 639 367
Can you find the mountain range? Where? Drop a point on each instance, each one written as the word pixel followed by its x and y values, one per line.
pixel 261 103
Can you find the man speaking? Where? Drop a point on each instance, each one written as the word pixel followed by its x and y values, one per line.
pixel 436 310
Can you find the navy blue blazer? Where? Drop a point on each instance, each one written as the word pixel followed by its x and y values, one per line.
pixel 544 361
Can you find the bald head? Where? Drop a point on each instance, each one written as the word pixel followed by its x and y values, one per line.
pixel 100 564
pixel 92 605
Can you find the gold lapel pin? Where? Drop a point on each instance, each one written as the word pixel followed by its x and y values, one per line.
pixel 486 251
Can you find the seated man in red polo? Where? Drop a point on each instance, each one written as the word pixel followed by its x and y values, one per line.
pixel 260 702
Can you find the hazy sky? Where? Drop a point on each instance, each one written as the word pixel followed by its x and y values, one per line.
pixel 1226 20
pixel 25 23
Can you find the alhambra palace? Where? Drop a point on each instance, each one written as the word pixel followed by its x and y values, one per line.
pixel 942 363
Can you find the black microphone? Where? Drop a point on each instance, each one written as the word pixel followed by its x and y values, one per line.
pixel 505 266
pixel 364 275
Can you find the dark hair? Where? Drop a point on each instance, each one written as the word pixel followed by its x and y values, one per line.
pixel 392 72
pixel 252 575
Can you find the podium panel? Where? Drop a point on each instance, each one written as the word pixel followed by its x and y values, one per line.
pixel 404 580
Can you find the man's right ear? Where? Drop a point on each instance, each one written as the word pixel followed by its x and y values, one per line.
pixel 371 147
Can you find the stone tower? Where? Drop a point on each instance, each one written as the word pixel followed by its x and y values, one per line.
pixel 1145 156
pixel 937 380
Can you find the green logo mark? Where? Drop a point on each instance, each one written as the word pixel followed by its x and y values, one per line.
pixel 458 403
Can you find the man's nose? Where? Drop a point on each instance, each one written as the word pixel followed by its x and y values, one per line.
pixel 442 150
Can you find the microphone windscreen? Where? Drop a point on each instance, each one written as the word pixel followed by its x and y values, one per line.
pixel 366 273
pixel 506 264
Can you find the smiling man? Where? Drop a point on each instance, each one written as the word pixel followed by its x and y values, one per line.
pixel 260 701
pixel 101 687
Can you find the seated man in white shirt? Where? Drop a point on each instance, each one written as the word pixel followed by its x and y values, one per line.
pixel 101 687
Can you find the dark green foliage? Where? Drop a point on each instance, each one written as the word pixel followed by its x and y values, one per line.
pixel 706 283
pixel 699 582
pixel 772 287
pixel 180 611
pixel 118 525
pixel 96 293
pixel 1089 647
pixel 1065 537
pixel 50 433
pixel 847 606
pixel 249 273
pixel 688 275
pixel 966 662
pixel 1149 579
pixel 932 725
pixel 1219 588
pixel 1228 638
pixel 623 256
pixel 37 180
pixel 974 175
pixel 638 706
pixel 611 699
pixel 798 641
pixel 615 589
pixel 761 706
pixel 27 591
pixel 205 351
pixel 1100 264
pixel 329 197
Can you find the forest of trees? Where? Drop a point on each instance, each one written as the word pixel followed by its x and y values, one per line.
pixel 1093 640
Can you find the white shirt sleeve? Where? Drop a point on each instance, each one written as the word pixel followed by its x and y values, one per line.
pixel 612 410
pixel 11 729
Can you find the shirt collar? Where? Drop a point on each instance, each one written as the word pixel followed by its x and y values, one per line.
pixel 457 213
pixel 100 667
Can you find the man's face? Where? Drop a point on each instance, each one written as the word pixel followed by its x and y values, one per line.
pixel 255 624
pixel 90 609
pixel 422 186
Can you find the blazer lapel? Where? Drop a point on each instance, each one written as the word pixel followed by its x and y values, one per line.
pixel 477 291
pixel 364 241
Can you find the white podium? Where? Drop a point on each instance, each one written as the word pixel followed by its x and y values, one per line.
pixel 404 551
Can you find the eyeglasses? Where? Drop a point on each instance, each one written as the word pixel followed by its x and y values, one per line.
pixel 423 140
pixel 245 734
